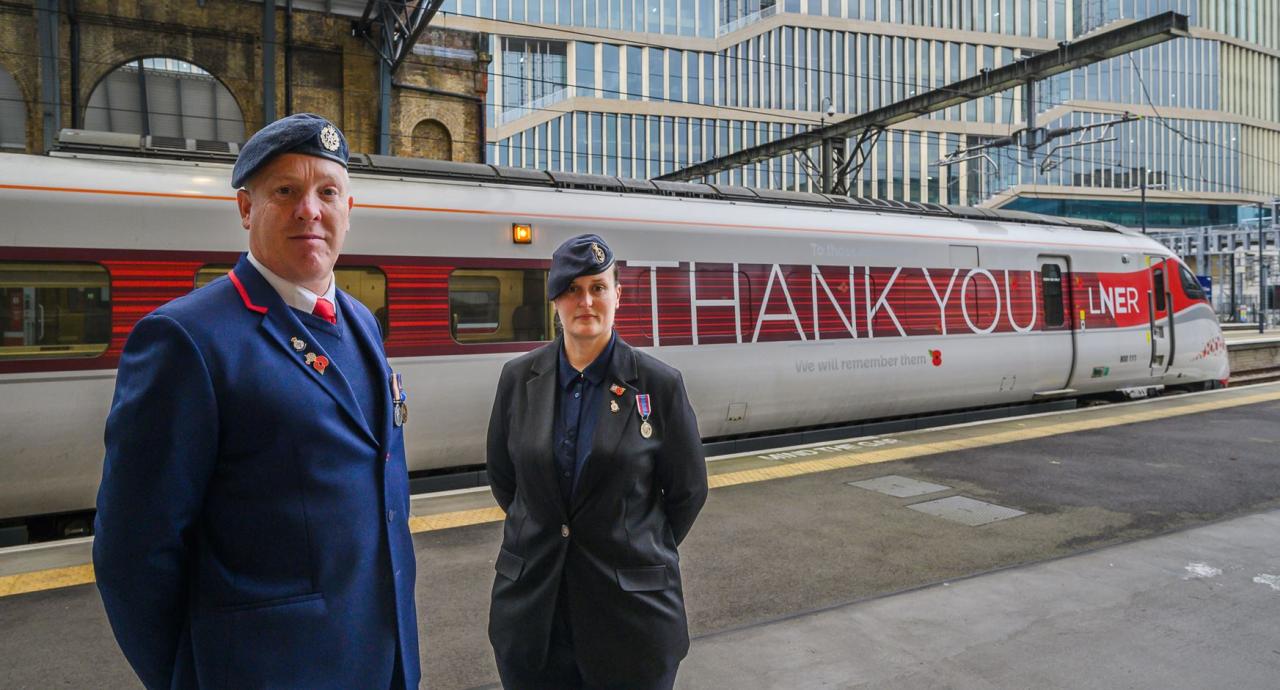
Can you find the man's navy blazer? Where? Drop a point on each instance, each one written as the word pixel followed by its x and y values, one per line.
pixel 614 542
pixel 251 528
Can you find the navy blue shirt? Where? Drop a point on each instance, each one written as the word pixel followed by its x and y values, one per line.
pixel 578 401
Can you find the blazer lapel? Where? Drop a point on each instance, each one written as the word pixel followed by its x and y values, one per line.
pixel 610 426
pixel 540 393
pixel 282 328
pixel 368 342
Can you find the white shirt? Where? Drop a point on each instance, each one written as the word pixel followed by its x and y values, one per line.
pixel 294 295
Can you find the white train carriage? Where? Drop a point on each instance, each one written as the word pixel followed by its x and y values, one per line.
pixel 782 309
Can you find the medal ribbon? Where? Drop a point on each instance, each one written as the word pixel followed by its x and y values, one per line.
pixel 642 406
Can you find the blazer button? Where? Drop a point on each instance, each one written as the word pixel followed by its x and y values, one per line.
pixel 564 531
pixel 388 458
pixel 391 515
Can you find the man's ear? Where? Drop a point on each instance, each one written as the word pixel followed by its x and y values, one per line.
pixel 245 202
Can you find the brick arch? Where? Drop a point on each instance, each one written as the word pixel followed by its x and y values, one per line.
pixel 28 92
pixel 239 115
pixel 233 63
pixel 431 139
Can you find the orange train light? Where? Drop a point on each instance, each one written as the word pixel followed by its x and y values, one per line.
pixel 521 233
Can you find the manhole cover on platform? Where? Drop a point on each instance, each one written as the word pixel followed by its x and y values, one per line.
pixel 966 510
pixel 898 486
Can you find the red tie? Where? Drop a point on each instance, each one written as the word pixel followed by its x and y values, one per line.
pixel 324 309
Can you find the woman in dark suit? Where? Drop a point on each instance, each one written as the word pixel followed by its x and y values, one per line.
pixel 594 454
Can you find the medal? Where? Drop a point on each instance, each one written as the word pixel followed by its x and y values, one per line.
pixel 613 406
pixel 617 389
pixel 400 413
pixel 297 344
pixel 642 407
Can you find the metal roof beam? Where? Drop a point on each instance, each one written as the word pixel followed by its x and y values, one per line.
pixel 401 24
pixel 1068 56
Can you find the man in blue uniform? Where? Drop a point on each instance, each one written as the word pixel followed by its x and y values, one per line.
pixel 251 528
pixel 594 454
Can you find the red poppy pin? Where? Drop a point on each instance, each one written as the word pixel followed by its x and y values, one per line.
pixel 317 362
pixel 617 390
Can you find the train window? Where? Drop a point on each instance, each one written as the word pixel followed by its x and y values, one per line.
pixel 55 310
pixel 365 283
pixel 1190 285
pixel 1051 286
pixel 208 273
pixel 1157 277
pixel 369 285
pixel 499 305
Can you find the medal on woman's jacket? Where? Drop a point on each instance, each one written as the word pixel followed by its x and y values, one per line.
pixel 642 406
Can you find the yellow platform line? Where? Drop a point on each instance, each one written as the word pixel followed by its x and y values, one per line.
pixel 78 575
pixel 40 580
pixel 458 518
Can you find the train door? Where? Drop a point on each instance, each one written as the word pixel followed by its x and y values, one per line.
pixel 1057 337
pixel 1160 319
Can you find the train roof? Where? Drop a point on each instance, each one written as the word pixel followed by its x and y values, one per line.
pixel 134 145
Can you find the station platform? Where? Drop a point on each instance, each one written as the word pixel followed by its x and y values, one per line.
pixel 1026 552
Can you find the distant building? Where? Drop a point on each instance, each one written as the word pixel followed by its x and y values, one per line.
pixel 637 89
pixel 199 70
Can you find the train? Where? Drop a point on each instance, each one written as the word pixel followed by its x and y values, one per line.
pixel 783 309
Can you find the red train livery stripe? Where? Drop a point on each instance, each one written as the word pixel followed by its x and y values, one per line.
pixel 702 303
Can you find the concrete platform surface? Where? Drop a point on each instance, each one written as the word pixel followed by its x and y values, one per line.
pixel 815 527
pixel 1195 609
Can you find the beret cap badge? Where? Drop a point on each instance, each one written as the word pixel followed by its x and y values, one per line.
pixel 581 255
pixel 329 138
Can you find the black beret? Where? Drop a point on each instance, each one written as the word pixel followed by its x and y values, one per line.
pixel 299 133
pixel 584 255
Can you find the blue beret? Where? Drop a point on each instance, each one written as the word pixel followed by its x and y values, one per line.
pixel 300 133
pixel 584 255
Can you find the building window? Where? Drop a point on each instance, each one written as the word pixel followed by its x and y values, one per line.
pixel 533 72
pixel 164 97
pixel 13 114
pixel 499 305
pixel 586 69
pixel 611 71
pixel 656 73
pixel 55 310
pixel 635 72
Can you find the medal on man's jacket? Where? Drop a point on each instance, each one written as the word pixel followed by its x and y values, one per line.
pixel 400 412
pixel 642 406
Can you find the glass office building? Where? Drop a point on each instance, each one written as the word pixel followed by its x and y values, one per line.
pixel 642 88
